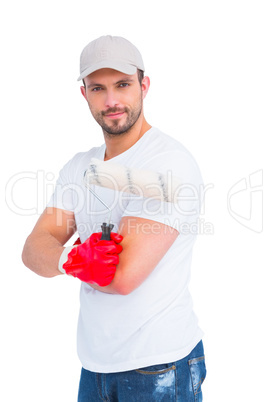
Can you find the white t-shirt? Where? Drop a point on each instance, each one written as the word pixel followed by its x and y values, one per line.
pixel 155 323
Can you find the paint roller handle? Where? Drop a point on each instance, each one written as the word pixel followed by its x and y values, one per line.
pixel 106 231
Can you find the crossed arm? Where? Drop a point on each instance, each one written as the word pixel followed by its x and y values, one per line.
pixel 144 243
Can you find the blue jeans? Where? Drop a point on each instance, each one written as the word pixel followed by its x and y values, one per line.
pixel 176 381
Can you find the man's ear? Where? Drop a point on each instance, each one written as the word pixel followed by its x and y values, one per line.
pixel 83 92
pixel 145 85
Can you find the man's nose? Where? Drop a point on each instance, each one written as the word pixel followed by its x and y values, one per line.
pixel 111 99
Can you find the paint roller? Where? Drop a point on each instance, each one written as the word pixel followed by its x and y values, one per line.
pixel 138 182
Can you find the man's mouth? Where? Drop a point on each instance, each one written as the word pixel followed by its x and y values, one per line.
pixel 114 113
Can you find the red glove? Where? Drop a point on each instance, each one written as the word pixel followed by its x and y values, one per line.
pixel 95 260
pixel 78 241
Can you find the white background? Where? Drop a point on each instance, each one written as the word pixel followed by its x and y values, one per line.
pixel 208 65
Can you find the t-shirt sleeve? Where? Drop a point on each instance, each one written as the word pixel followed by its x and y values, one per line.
pixel 180 170
pixel 66 192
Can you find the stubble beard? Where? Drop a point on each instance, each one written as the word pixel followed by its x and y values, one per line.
pixel 115 127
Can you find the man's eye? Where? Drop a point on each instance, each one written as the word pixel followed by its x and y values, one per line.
pixel 96 89
pixel 123 85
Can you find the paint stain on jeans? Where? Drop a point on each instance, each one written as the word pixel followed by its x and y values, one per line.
pixel 165 383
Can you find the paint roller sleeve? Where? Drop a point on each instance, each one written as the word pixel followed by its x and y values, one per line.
pixel 140 182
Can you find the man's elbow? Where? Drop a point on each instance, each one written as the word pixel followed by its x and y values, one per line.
pixel 122 290
pixel 123 286
pixel 25 254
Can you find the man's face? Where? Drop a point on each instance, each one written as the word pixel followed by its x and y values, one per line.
pixel 115 99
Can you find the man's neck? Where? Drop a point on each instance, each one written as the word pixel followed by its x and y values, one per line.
pixel 117 144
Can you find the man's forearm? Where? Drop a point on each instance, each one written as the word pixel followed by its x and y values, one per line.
pixel 41 254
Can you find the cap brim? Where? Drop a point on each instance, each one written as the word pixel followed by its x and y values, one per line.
pixel 122 67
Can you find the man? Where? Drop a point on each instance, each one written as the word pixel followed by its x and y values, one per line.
pixel 138 337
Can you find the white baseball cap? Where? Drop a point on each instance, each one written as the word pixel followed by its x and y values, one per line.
pixel 110 52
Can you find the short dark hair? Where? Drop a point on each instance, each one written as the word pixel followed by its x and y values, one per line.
pixel 140 77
